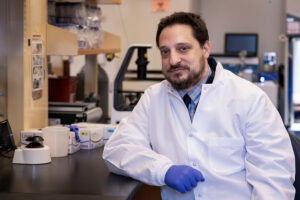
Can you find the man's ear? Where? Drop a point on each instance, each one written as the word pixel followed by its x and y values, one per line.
pixel 206 48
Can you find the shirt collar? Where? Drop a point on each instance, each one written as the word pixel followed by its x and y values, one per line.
pixel 195 92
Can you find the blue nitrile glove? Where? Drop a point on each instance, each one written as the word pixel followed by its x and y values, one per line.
pixel 77 135
pixel 74 128
pixel 183 178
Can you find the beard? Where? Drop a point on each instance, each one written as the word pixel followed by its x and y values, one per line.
pixel 192 79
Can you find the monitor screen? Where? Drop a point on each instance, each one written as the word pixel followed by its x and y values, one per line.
pixel 237 42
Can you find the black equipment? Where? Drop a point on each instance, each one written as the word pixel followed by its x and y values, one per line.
pixel 7 142
pixel 125 100
pixel 69 113
pixel 35 142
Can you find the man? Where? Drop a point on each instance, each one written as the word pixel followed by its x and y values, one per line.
pixel 224 141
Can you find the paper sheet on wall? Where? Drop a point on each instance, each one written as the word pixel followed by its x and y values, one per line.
pixel 160 5
pixel 37 67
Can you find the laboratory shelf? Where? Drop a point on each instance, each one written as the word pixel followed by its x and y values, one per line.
pixel 92 1
pixel 111 44
pixel 104 1
pixel 61 42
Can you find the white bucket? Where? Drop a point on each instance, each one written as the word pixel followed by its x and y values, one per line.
pixel 57 138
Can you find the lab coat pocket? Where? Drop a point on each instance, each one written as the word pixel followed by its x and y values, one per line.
pixel 226 155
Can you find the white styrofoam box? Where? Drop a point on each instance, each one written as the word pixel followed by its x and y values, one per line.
pixel 87 125
pixel 108 129
pixel 30 133
pixel 91 138
pixel 74 146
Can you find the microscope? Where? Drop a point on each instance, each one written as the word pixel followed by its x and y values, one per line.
pixel 125 100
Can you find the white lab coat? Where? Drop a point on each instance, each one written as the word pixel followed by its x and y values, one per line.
pixel 236 139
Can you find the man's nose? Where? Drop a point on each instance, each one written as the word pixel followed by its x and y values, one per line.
pixel 174 58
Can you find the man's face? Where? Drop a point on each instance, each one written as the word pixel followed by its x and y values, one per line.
pixel 184 62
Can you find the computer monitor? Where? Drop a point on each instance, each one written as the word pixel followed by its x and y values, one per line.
pixel 237 42
pixel 7 142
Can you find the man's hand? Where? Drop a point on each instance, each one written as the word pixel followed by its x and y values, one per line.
pixel 183 178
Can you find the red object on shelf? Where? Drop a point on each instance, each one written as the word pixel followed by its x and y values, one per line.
pixel 62 89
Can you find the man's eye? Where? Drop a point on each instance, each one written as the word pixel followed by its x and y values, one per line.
pixel 183 49
pixel 164 52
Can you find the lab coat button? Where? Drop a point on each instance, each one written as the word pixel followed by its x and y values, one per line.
pixel 190 135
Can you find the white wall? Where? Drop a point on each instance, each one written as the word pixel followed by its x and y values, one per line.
pixel 293 7
pixel 265 17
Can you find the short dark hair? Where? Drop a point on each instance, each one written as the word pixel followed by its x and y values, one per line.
pixel 197 24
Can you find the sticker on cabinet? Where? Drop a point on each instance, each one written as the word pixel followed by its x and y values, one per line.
pixel 37 67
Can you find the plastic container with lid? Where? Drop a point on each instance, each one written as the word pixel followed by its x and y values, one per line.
pixel 57 138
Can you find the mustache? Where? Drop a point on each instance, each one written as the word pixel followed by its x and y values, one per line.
pixel 175 67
